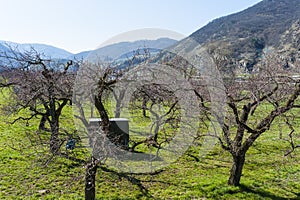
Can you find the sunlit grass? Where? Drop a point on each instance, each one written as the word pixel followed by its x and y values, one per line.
pixel 26 174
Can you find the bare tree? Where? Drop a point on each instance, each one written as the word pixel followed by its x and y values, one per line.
pixel 93 85
pixel 42 86
pixel 159 105
pixel 254 101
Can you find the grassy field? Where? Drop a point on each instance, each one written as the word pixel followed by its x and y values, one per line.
pixel 28 171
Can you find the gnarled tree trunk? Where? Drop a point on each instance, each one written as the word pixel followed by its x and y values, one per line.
pixel 236 169
pixel 90 177
pixel 54 139
pixel 91 167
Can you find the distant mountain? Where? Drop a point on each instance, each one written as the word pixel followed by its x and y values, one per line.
pixel 47 50
pixel 80 56
pixel 118 52
pixel 3 48
pixel 114 51
pixel 243 36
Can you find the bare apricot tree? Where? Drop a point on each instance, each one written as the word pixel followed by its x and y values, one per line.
pixel 159 105
pixel 40 86
pixel 93 85
pixel 254 101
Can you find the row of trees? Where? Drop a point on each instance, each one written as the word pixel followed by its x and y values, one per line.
pixel 44 87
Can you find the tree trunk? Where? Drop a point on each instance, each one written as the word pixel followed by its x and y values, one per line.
pixel 90 180
pixel 144 107
pixel 119 102
pixel 103 114
pixel 42 123
pixel 236 169
pixel 118 109
pixel 54 139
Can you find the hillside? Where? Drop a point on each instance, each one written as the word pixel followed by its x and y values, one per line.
pixel 47 50
pixel 3 48
pixel 107 52
pixel 114 51
pixel 243 36
pixel 267 19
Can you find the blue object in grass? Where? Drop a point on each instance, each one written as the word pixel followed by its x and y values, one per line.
pixel 70 144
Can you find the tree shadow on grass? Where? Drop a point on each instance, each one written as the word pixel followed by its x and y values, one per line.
pixel 135 181
pixel 265 194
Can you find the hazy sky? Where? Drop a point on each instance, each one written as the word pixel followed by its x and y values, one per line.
pixel 78 25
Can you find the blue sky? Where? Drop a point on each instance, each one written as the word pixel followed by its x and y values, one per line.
pixel 78 25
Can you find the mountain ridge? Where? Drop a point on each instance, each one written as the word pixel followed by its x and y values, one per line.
pixel 254 20
pixel 47 50
pixel 112 51
pixel 244 36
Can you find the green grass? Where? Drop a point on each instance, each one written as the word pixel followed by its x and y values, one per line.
pixel 26 174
